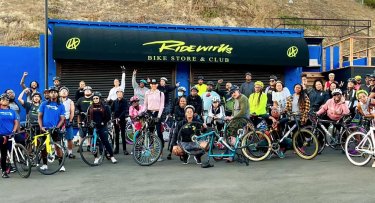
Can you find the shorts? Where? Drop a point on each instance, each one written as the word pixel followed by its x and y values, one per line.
pixel 69 133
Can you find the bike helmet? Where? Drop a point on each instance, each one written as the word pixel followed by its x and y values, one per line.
pixel 56 78
pixel 260 83
pixel 194 88
pixel 335 91
pixel 35 94
pixel 87 88
pixel 97 94
pixel 210 83
pixel 64 88
pixel 164 78
pixel 134 99
pixel 181 89
pixel 215 99
pixel 119 89
pixel 200 78
pixel 360 92
pixel 189 107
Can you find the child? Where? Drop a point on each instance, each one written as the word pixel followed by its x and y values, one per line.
pixel 134 110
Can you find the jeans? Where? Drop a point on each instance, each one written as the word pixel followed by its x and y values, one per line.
pixel 158 128
pixel 103 135
pixel 120 127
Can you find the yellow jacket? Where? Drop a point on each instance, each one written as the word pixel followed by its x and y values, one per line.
pixel 201 89
pixel 255 108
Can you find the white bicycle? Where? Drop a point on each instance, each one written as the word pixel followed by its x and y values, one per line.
pixel 359 146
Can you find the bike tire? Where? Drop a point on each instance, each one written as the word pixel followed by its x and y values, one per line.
pixel 89 156
pixel 303 139
pixel 256 146
pixel 22 161
pixel 51 159
pixel 129 133
pixel 146 149
pixel 320 135
pixel 350 151
pixel 235 125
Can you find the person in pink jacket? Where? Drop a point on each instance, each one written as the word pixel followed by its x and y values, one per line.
pixel 134 110
pixel 335 107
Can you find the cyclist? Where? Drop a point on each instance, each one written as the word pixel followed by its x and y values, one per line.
pixel 57 82
pixel 154 105
pixel 207 97
pixel 350 96
pixel 247 87
pixel 118 108
pixel 33 87
pixel 201 87
pixel 195 100
pixel 299 103
pixel 52 114
pixel 12 103
pixel 241 104
pixel 180 93
pixel 46 94
pixel 358 82
pixel 8 126
pixel 82 105
pixel 69 115
pixel 134 110
pixel 335 107
pixel 317 96
pixel 186 142
pixel 139 90
pixel 112 96
pixel 166 89
pixel 80 91
pixel 270 89
pixel 179 115
pixel 366 86
pixel 258 104
pixel 100 114
pixel 333 86
pixel 280 96
pixel 216 113
pixel 226 95
pixel 31 110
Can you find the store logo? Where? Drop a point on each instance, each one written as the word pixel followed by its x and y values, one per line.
pixel 180 47
pixel 73 43
pixel 292 52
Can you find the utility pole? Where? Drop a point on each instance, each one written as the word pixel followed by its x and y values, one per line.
pixel 46 44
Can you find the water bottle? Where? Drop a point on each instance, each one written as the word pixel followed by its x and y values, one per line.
pixel 330 130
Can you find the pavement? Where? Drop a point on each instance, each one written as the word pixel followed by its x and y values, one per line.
pixel 329 177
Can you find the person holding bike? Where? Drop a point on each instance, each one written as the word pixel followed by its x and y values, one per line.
pixel 82 105
pixel 216 113
pixel 195 100
pixel 69 115
pixel 119 107
pixel 52 115
pixel 139 90
pixel 335 107
pixel 185 140
pixel 112 96
pixel 8 126
pixel 134 110
pixel 99 114
pixel 241 104
pixel 154 105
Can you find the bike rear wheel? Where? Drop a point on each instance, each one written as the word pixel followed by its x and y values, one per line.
pixel 358 157
pixel 54 163
pixel 95 155
pixel 305 144
pixel 129 133
pixel 21 161
pixel 146 149
pixel 236 126
pixel 256 146
pixel 320 135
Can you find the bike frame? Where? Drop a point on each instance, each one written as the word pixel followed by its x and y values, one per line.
pixel 10 153
pixel 360 146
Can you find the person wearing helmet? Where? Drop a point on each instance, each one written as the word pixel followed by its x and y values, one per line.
pixel 247 88
pixel 80 91
pixel 82 105
pixel 112 96
pixel 350 96
pixel 202 88
pixel 51 115
pixel 335 107
pixel 216 113
pixel 119 108
pixel 69 116
pixel 358 82
pixel 33 86
pixel 207 97
pixel 56 82
pixel 139 90
pixel 100 114
pixel 195 100
pixel 166 89
pixel 31 110
pixel 134 110
pixel 8 125
pixel 180 93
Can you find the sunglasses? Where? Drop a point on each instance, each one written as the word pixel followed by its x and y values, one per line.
pixel 272 80
pixel 95 98
pixel 337 95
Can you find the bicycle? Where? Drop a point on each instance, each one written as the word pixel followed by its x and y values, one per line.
pixel 147 145
pixel 96 150
pixel 304 142
pixel 48 149
pixel 19 157
pixel 167 130
pixel 360 146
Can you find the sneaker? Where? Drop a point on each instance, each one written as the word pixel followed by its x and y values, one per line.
pixel 44 167
pixel 96 161
pixel 373 165
pixel 62 169
pixel 160 159
pixel 4 175
pixel 114 161
pixel 185 159
pixel 126 152
pixel 280 154
pixel 12 169
pixel 198 160
pixel 72 156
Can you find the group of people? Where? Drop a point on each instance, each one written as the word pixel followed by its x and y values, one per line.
pixel 206 102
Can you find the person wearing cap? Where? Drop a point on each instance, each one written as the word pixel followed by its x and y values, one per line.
pixel 118 108
pixel 358 80
pixel 202 88
pixel 195 100
pixel 112 96
pixel 51 115
pixel 57 82
pixel 166 89
pixel 207 97
pixel 335 108
pixel 8 125
pixel 69 115
pixel 80 91
pixel 247 88
pixel 139 90
pixel 82 105
pixel 270 89
pixel 350 96
pixel 31 110
pixel 12 103
pixel 46 94
pixel 154 105
pixel 33 87
pixel 241 104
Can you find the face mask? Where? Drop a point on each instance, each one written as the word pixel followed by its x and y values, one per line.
pixel 180 94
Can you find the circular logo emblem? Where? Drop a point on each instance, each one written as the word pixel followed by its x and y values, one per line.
pixel 292 51
pixel 73 43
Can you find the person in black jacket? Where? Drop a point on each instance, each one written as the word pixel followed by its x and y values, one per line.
pixel 100 114
pixel 317 96
pixel 80 91
pixel 119 108
pixel 166 89
pixel 195 100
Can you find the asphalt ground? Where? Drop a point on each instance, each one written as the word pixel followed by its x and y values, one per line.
pixel 329 177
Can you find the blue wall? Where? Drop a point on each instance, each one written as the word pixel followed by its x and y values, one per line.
pixel 292 76
pixel 182 76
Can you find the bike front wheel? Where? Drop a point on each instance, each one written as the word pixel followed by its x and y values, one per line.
pixel 53 161
pixel 146 149
pixel 21 160
pixel 91 151
pixel 305 144
pixel 320 136
pixel 129 133
pixel 358 155
pixel 256 146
